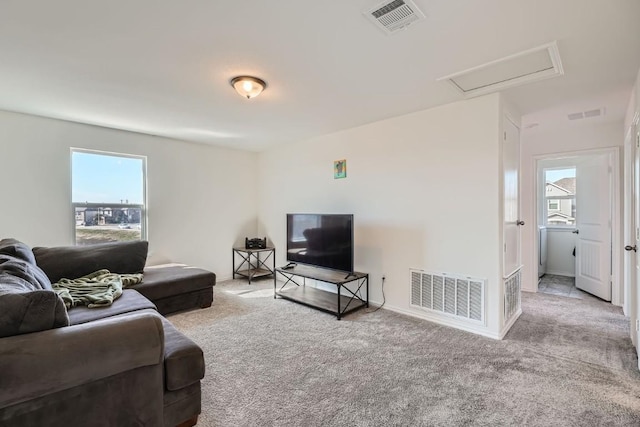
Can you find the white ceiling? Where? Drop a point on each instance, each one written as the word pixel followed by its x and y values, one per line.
pixel 163 67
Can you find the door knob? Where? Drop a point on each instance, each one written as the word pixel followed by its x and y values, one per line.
pixel 519 222
pixel 576 231
pixel 633 248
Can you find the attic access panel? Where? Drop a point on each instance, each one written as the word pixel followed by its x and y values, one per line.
pixel 535 64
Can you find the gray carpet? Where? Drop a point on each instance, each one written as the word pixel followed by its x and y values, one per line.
pixel 566 362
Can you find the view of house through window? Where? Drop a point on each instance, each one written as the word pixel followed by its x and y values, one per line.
pixel 108 196
pixel 560 195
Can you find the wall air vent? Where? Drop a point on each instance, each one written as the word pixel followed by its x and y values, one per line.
pixel 535 64
pixel 392 16
pixel 512 301
pixel 450 295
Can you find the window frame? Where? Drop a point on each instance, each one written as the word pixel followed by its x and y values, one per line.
pixel 144 232
pixel 547 199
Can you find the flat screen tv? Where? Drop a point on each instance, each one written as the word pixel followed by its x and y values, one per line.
pixel 321 240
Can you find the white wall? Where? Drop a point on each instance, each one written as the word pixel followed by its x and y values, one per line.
pixel 560 246
pixel 424 189
pixel 537 143
pixel 201 199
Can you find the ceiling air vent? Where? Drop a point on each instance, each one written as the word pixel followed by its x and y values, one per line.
pixel 392 16
pixel 586 114
pixel 535 64
pixel 593 113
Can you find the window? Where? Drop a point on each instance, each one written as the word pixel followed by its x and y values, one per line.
pixel 560 196
pixel 108 196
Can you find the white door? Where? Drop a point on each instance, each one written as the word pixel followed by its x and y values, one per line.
pixel 593 225
pixel 511 226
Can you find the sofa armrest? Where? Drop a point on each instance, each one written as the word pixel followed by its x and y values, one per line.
pixel 45 362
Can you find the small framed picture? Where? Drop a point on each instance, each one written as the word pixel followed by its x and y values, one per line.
pixel 340 169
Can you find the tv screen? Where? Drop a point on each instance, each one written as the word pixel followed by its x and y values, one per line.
pixel 322 240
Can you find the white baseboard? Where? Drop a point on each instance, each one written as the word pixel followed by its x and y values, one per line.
pixel 561 273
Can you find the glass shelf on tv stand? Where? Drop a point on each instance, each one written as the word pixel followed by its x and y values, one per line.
pixel 347 298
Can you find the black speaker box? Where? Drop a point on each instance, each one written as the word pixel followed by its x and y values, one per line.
pixel 256 243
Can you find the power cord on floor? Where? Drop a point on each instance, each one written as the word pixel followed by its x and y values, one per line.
pixel 383 298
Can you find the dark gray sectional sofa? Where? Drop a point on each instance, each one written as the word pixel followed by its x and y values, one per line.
pixel 121 365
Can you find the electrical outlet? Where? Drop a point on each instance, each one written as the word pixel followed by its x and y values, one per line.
pixel 637 325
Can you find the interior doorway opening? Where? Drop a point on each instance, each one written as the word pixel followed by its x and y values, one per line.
pixel 576 223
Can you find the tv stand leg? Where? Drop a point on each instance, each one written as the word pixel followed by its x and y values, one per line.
pixel 367 279
pixel 338 313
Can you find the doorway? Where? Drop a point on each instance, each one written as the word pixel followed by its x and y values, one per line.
pixel 576 219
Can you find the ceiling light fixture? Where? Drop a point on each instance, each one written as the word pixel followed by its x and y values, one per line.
pixel 248 86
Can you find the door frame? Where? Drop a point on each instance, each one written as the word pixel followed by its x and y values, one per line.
pixel 617 284
pixel 629 225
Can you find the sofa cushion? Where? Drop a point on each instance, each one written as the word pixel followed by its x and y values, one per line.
pixel 202 298
pixel 183 359
pixel 164 281
pixel 31 273
pixel 25 306
pixel 71 262
pixel 130 301
pixel 15 248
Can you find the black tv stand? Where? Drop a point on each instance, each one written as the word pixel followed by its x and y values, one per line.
pixel 349 289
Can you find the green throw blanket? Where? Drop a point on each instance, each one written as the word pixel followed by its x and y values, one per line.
pixel 97 289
